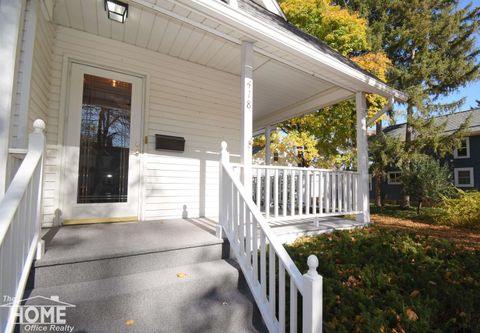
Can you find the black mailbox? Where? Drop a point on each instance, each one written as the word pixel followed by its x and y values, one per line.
pixel 169 142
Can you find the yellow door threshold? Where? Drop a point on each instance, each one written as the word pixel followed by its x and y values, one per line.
pixel 101 220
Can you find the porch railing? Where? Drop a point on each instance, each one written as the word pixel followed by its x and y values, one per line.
pixel 285 193
pixel 20 226
pixel 273 278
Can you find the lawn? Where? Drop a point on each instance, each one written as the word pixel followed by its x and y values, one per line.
pixel 382 280
pixel 427 214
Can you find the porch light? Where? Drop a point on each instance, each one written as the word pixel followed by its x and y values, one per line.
pixel 117 11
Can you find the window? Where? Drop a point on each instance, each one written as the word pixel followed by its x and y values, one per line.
pixel 464 177
pixel 464 150
pixel 394 178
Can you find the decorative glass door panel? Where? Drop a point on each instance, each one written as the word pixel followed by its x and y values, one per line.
pixel 102 144
pixel 104 140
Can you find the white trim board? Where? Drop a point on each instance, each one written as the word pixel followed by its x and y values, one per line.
pixel 455 152
pixel 457 170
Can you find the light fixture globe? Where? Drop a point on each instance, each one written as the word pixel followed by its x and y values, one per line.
pixel 116 10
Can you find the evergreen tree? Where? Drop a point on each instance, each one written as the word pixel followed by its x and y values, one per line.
pixel 431 44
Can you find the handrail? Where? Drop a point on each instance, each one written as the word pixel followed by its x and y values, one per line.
pixel 274 242
pixel 248 233
pixel 279 167
pixel 20 225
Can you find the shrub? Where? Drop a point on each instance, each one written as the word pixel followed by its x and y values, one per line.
pixel 376 280
pixel 463 211
pixel 424 179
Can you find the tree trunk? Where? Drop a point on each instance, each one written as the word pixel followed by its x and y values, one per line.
pixel 408 140
pixel 378 177
pixel 419 206
pixel 378 190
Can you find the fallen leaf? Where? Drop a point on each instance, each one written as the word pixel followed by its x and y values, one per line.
pixel 411 314
pixel 414 293
pixel 181 275
pixel 433 283
pixel 129 322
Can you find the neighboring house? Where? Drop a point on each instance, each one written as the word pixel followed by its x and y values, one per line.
pixel 137 98
pixel 463 162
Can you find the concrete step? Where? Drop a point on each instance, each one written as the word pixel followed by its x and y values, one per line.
pixel 60 273
pixel 86 253
pixel 203 297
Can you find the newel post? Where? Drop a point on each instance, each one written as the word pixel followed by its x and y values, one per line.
pixel 312 298
pixel 224 160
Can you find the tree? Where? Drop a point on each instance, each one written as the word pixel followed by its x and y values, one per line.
pixel 432 47
pixel 334 127
pixel 425 179
pixel 384 151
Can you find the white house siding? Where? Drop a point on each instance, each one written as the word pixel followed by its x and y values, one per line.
pixel 38 77
pixel 182 98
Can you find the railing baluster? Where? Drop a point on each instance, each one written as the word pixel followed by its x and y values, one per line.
pixel 334 192
pixel 281 296
pixel 293 307
pixel 340 191
pixel 355 194
pixel 328 192
pixel 314 191
pixel 272 276
pixel 284 193
pixel 267 194
pixel 292 193
pixel 259 188
pixel 255 248
pixel 235 215
pixel 300 193
pixel 248 243
pixel 345 192
pixel 307 192
pixel 241 225
pixel 321 192
pixel 263 265
pixel 275 194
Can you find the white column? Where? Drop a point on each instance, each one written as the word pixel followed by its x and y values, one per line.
pixel 247 114
pixel 362 159
pixel 10 23
pixel 268 153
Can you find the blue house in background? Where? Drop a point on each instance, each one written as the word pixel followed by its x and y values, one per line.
pixel 464 161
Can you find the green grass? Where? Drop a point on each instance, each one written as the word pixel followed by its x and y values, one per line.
pixel 377 280
pixel 427 214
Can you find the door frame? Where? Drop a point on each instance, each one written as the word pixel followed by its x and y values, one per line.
pixel 68 61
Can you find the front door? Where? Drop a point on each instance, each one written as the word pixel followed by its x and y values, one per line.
pixel 102 146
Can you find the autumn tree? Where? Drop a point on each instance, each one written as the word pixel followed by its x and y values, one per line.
pixel 333 127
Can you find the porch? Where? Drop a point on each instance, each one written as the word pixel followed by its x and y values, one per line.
pixel 201 70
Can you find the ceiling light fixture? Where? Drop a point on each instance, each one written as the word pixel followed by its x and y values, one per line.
pixel 117 11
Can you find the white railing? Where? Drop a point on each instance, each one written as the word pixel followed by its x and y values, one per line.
pixel 20 227
pixel 272 276
pixel 286 193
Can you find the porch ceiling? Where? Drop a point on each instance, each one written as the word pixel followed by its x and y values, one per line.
pixel 280 90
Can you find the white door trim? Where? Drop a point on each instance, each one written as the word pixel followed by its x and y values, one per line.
pixel 68 62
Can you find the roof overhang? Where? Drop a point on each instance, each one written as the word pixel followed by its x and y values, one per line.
pixel 308 57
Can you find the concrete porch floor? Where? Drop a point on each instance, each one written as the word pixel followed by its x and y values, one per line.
pixel 78 243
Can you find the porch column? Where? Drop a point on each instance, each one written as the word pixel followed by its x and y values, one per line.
pixel 362 159
pixel 247 114
pixel 10 24
pixel 268 141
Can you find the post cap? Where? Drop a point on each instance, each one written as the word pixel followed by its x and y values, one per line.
pixel 312 263
pixel 224 145
pixel 38 126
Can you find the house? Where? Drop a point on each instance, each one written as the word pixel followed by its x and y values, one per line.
pixel 463 162
pixel 127 103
